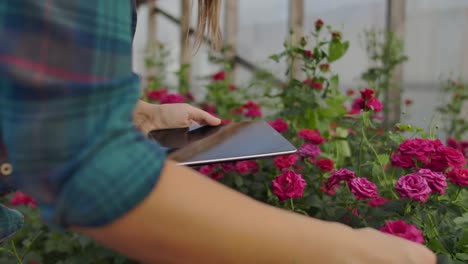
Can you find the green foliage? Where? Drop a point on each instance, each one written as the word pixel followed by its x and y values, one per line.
pixel 35 242
pixel 385 52
pixel 455 96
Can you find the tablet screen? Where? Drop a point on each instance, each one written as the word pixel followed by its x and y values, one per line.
pixel 230 142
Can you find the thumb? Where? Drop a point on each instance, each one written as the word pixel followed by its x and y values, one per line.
pixel 203 117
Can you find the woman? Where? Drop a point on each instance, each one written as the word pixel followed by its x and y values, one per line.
pixel 66 104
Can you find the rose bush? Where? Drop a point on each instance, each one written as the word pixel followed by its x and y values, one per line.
pixel 401 180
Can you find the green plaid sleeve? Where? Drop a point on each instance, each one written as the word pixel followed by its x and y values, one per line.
pixel 66 100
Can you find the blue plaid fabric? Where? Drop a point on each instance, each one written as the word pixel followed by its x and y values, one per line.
pixel 67 94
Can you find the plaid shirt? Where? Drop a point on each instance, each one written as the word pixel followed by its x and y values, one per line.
pixel 67 93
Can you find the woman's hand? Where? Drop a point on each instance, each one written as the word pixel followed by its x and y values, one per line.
pixel 148 117
pixel 372 246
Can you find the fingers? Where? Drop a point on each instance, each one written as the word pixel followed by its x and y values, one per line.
pixel 202 117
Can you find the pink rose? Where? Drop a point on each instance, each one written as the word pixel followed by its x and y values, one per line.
pixel 20 198
pixel 309 150
pixel 172 99
pixel 437 181
pixel 325 164
pixel 404 230
pixel 374 104
pixel 313 136
pixel 285 162
pixel 458 176
pixel 362 188
pixel 279 125
pixel 413 186
pixel 288 185
pixel 377 201
pixel 246 166
pixel 402 161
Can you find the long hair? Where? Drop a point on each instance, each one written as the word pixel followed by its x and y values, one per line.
pixel 208 21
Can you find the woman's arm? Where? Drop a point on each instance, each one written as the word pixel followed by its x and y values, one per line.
pixel 189 218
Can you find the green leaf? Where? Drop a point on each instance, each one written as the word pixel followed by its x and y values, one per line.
pixel 238 180
pixel 396 206
pixel 336 50
pixel 334 82
pixel 462 256
pixel 275 57
pixel 437 246
pixel 462 221
pixel 383 159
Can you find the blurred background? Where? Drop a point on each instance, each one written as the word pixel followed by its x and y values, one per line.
pixel 434 35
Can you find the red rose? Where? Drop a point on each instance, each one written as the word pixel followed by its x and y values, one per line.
pixel 251 109
pixel 206 169
pixel 374 104
pixel 209 108
pixel 377 201
pixel 367 94
pixel 228 167
pixel 285 162
pixel 454 158
pixel 318 24
pixel 189 97
pixel 358 104
pixel 232 87
pixel 172 99
pixel 226 121
pixel 279 125
pixel 338 176
pixel 402 161
pixel 324 67
pixel 157 95
pixel 219 76
pixel 313 136
pixel 20 198
pixel 217 175
pixel 350 92
pixel 325 164
pixel 303 42
pixel 313 84
pixel 408 102
pixel 404 230
pixel 307 53
pixel 288 185
pixel 247 166
pixel 458 176
pixel 336 35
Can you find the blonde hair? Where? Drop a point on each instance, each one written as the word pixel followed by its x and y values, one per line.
pixel 208 20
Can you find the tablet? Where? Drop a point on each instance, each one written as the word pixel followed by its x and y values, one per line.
pixel 225 143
